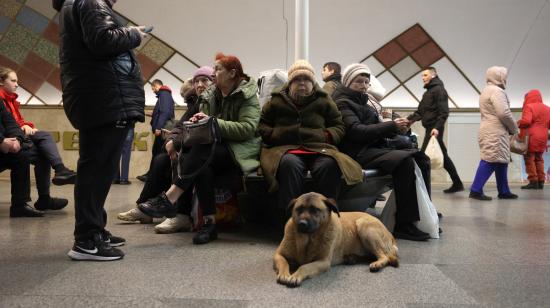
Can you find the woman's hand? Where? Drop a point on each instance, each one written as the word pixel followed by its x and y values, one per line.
pixel 29 131
pixel 197 117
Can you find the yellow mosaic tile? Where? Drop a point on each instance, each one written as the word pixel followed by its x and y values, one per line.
pixel 157 51
pixel 9 8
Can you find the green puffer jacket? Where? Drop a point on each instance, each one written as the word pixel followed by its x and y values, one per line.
pixel 287 125
pixel 238 115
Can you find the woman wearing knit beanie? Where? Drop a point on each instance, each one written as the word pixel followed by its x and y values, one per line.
pixel 365 142
pixel 300 127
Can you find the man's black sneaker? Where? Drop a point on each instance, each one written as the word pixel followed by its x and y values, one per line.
pixel 112 240
pixel 158 207
pixel 64 177
pixel 410 232
pixel 507 196
pixel 454 188
pixel 95 249
pixel 50 203
pixel 479 196
pixel 24 210
pixel 207 233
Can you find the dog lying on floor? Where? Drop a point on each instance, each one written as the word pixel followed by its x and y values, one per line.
pixel 318 236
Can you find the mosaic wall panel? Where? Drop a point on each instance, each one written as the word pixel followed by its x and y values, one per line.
pixel 29 44
pixel 399 62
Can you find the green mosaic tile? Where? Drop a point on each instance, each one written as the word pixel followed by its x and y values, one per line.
pixel 48 51
pixel 157 51
pixel 21 36
pixel 9 8
pixel 13 52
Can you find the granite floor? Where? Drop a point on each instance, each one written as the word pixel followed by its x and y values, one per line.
pixel 491 254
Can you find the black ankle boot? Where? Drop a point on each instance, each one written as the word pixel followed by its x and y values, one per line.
pixel 479 196
pixel 206 234
pixel 49 203
pixel 159 207
pixel 531 185
pixel 541 185
pixel 456 187
pixel 410 232
pixel 24 210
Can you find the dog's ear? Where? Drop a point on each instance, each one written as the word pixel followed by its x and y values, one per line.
pixel 331 204
pixel 291 205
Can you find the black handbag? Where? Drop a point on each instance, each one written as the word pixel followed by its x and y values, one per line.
pixel 203 131
pixel 399 142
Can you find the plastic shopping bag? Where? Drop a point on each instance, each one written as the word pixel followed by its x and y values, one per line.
pixel 227 210
pixel 429 222
pixel 433 150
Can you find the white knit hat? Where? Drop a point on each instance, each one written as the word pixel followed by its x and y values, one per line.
pixel 352 71
pixel 301 68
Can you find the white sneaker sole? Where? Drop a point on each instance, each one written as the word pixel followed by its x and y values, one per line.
pixel 144 220
pixel 75 255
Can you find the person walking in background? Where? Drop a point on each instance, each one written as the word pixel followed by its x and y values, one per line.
pixel 331 76
pixel 535 122
pixel 497 124
pixel 124 168
pixel 162 113
pixel 103 97
pixel 433 110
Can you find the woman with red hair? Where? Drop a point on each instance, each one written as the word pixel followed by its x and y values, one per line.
pixel 234 104
pixel 535 122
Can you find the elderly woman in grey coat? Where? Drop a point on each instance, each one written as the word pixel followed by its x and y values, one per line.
pixel 497 124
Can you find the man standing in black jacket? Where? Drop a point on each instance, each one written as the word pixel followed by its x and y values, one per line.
pixel 103 97
pixel 433 110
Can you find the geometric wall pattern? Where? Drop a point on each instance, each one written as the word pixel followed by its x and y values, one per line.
pixel 29 44
pixel 398 63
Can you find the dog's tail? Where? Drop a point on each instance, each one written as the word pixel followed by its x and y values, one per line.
pixel 391 252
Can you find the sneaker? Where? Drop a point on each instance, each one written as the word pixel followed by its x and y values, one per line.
pixel 113 241
pixel 135 215
pixel 456 187
pixel 172 225
pixel 410 232
pixel 63 177
pixel 50 203
pixel 95 249
pixel 206 234
pixel 507 196
pixel 480 196
pixel 142 177
pixel 158 207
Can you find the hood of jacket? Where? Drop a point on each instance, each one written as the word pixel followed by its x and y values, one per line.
pixel 497 75
pixel 164 88
pixel 434 82
pixel 532 97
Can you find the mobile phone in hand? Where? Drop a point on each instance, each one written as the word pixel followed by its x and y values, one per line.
pixel 148 29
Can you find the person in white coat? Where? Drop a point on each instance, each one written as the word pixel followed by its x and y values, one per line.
pixel 497 124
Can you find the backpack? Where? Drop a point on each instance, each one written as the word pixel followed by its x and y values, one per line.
pixel 268 81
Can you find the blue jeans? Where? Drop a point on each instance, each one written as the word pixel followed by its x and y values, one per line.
pixel 124 168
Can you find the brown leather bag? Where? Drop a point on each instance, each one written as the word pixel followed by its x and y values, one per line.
pixel 519 145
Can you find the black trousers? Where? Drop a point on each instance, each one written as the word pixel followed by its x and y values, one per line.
pixel 158 148
pixel 45 145
pixel 447 162
pixel 222 163
pixel 99 151
pixel 292 172
pixel 19 176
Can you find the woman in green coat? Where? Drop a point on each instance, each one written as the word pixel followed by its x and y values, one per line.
pixel 234 104
pixel 300 127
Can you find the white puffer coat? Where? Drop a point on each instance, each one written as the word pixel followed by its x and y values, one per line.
pixel 497 122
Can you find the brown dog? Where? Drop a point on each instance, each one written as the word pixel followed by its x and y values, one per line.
pixel 318 236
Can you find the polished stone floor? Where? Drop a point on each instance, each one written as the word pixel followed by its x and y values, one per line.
pixel 491 254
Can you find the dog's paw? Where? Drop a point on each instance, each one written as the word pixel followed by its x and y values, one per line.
pixel 376 266
pixel 289 280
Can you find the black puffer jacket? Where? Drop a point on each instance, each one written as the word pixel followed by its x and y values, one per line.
pixel 434 106
pixel 363 127
pixel 8 126
pixel 100 77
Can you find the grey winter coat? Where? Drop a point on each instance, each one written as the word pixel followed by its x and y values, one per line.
pixel 497 122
